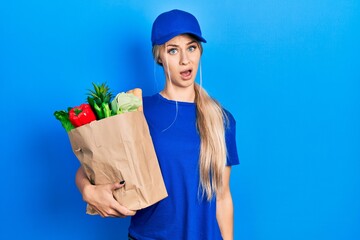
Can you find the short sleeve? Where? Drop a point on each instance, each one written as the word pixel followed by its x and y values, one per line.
pixel 230 137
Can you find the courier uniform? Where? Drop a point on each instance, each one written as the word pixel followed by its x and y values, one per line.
pixel 184 214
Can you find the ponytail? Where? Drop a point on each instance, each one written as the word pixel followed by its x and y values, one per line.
pixel 211 123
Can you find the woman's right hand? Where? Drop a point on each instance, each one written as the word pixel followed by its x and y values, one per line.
pixel 100 197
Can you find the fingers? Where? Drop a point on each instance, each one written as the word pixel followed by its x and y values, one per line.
pixel 109 207
pixel 101 198
pixel 118 185
pixel 121 210
pixel 115 210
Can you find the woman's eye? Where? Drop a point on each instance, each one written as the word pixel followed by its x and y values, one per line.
pixel 172 51
pixel 192 48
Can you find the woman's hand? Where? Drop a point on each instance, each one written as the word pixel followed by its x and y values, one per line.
pixel 100 197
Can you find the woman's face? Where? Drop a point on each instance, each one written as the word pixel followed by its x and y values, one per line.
pixel 180 58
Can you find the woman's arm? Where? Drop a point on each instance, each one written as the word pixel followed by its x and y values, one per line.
pixel 100 197
pixel 225 209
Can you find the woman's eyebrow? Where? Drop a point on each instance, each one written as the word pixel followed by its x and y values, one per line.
pixel 191 42
pixel 175 45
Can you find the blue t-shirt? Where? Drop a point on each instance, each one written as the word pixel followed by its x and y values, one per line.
pixel 184 214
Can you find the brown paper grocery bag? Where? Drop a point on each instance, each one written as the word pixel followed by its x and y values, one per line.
pixel 120 148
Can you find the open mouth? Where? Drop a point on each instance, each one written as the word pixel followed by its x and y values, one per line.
pixel 186 74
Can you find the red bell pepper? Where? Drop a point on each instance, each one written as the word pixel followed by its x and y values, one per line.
pixel 81 115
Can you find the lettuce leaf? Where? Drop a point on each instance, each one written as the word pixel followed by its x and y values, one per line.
pixel 125 102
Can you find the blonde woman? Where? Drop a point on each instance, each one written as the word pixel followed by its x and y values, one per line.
pixel 194 139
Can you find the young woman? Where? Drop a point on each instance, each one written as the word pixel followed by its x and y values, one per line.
pixel 194 139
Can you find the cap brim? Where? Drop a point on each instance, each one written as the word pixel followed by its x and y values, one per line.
pixel 168 37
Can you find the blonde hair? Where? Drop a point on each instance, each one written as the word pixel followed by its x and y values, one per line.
pixel 211 121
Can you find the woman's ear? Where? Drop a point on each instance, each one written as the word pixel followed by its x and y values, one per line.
pixel 159 61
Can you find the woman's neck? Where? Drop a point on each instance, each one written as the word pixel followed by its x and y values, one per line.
pixel 181 95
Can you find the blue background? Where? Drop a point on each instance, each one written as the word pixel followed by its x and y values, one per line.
pixel 287 70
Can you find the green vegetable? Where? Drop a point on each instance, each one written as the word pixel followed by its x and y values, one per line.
pixel 63 117
pixel 99 100
pixel 98 111
pixel 125 102
pixel 106 109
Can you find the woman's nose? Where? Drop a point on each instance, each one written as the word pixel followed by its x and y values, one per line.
pixel 184 59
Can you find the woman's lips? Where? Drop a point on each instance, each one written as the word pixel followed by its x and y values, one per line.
pixel 186 75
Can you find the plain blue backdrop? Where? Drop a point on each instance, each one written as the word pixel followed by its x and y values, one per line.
pixel 287 70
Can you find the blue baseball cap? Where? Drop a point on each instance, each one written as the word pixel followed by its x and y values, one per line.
pixel 173 23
